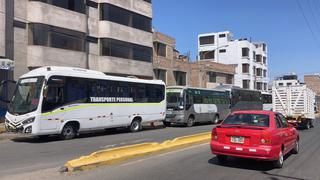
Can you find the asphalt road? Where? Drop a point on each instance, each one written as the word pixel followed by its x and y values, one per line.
pixel 26 154
pixel 198 163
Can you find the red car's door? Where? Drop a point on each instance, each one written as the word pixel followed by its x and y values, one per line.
pixel 284 133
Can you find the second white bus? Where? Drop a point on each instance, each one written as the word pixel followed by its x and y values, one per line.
pixel 66 101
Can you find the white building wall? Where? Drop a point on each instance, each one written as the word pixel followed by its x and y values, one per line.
pixel 2 28
pixel 233 55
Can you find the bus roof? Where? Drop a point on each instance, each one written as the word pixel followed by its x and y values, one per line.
pixel 83 73
pixel 189 87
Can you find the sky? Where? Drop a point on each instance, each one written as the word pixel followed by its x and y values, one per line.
pixel 291 33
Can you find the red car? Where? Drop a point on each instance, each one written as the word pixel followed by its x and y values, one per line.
pixel 263 135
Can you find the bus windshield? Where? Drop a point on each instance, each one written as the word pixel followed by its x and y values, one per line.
pixel 26 95
pixel 174 97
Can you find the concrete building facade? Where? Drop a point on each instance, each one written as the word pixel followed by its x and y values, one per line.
pixel 112 36
pixel 176 69
pixel 250 59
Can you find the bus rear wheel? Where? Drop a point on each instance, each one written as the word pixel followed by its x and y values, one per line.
pixel 135 126
pixel 216 120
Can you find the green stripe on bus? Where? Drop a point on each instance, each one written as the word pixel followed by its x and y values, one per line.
pixel 100 105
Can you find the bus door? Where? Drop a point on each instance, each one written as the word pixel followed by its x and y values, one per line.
pixel 52 106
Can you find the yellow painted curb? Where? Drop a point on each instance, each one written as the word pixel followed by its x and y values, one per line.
pixel 114 155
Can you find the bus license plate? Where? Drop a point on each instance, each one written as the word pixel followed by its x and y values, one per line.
pixel 237 139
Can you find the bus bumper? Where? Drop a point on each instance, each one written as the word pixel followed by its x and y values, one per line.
pixel 18 128
pixel 177 118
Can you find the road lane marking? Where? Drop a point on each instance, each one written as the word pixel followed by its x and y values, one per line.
pixel 163 154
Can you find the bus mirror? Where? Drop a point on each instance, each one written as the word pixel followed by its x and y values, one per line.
pixel 6 90
pixel 45 92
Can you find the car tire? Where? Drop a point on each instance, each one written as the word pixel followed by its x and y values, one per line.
pixel 190 121
pixel 68 132
pixel 222 159
pixel 296 148
pixel 279 163
pixel 135 126
pixel 166 123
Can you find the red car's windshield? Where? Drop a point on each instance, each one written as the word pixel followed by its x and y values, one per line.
pixel 247 119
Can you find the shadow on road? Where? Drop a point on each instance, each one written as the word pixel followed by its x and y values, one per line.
pixel 113 131
pixel 240 163
pixel 265 167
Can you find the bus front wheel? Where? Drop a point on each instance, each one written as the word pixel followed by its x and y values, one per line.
pixel 69 131
pixel 190 121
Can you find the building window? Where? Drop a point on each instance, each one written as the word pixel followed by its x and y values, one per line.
pixel 254 70
pixel 149 1
pixel 264 47
pixel 245 68
pixel 245 52
pixel 264 60
pixel 254 55
pixel 265 86
pixel 229 79
pixel 206 40
pixel 222 51
pixel 180 78
pixel 264 73
pixel 160 74
pixel 160 48
pixel 212 77
pixel 51 36
pixel 122 16
pixel 73 5
pixel 246 84
pixel 259 72
pixel 259 86
pixel 280 84
pixel 259 58
pixel 222 35
pixel 121 49
pixel 206 55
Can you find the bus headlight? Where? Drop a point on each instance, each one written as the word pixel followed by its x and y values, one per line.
pixel 28 121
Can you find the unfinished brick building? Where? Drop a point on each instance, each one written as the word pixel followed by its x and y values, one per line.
pixel 176 69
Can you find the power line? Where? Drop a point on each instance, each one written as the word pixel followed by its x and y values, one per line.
pixel 308 24
pixel 313 15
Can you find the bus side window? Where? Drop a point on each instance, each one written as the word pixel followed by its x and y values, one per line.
pixel 76 90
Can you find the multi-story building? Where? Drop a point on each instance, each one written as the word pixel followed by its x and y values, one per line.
pixel 176 69
pixel 250 58
pixel 112 36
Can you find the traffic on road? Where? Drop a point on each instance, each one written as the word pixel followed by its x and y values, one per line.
pixel 90 111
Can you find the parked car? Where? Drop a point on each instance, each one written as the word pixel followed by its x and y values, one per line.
pixel 263 135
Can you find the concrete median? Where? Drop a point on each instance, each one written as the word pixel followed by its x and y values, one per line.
pixel 114 155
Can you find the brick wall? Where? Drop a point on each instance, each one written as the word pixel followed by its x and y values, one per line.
pixel 313 82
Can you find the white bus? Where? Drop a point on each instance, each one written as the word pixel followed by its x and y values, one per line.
pixel 65 101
